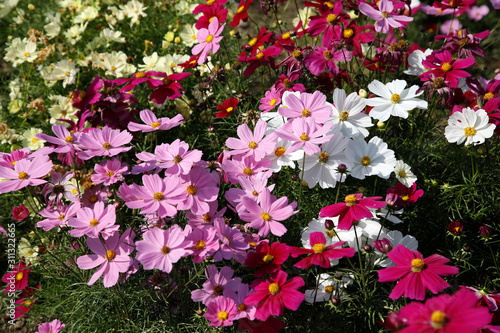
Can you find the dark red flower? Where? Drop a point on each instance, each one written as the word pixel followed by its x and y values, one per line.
pixel 227 107
pixel 20 213
pixel 267 259
pixel 18 277
pixel 265 56
pixel 407 194
pixel 455 227
pixel 138 78
pixel 210 3
pixel 85 98
pixel 169 87
pixel 272 324
pixel 209 13
pixel 241 13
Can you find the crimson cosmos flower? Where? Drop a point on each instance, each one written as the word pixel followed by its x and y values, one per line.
pixel 241 13
pixel 138 78
pixel 267 258
pixel 170 87
pixel 227 107
pixel 441 64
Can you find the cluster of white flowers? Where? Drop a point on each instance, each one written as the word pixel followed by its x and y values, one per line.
pixel 20 51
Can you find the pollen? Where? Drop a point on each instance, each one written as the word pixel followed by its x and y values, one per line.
pixel 209 38
pixel 240 9
pixel 328 4
pixel 417 265
pixel 200 245
pixel 280 151
pixel 110 255
pixel 248 171
pixel 158 196
pixel 350 200
pixel 252 145
pixel 319 248
pixel 297 54
pixel 93 222
pixel 66 73
pixel 329 289
pixel 110 173
pixel 167 81
pixel 61 217
pixel 489 95
pixel 446 67
pixel 191 189
pixel 304 137
pixel 35 140
pixel 140 75
pixel 268 258
pixel 348 33
pixel 306 113
pixel 218 290
pixel 19 276
pixel 331 18
pixel 26 54
pixel 344 115
pixel 211 19
pixel 395 98
pixel 242 307
pixel 177 158
pixel 23 175
pixel 223 315
pixel 469 131
pixel 272 102
pixel 328 55
pixel 286 35
pixel 155 124
pixel 69 139
pixel 323 157
pixel 402 174
pixel 366 160
pixel 207 218
pixel 93 199
pixel 113 68
pixel 265 216
pixel 252 42
pixel 259 55
pixel 287 83
pixel 274 288
pixel 106 146
pixel 385 14
pixel 229 109
pixel 165 249
pixel 210 2
pixel 405 197
pixel 438 319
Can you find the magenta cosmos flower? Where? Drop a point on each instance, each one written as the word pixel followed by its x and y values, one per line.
pixel 265 215
pixel 354 208
pixel 113 257
pixel 221 311
pixel 153 123
pixel 384 17
pixel 160 248
pixel 169 87
pixel 271 297
pixel 54 326
pixel 204 242
pixel 94 221
pixel 20 213
pixel 103 142
pixel 25 173
pixel 267 258
pixel 251 144
pixel 18 277
pixel 319 254
pixel 109 172
pixel 209 40
pixel 445 314
pixel 416 273
pixel 442 64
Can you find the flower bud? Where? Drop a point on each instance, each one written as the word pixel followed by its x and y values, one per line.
pixel 485 231
pixel 380 124
pixel 329 224
pixel 362 93
pixel 383 245
pixel 335 300
pixel 367 248
pixel 342 168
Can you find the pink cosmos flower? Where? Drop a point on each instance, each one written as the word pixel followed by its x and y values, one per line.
pixel 113 257
pixel 285 82
pixel 232 243
pixel 252 190
pixel 209 40
pixel 271 297
pixel 441 64
pixel 215 285
pixel 55 326
pixel 221 311
pixel 446 314
pixel 109 172
pixel 200 187
pixel 384 17
pixel 323 58
pixel 320 254
pixel 205 218
pixel 326 22
pixel 354 208
pixel 93 195
pixel 103 142
pixel 408 194
pixel 477 13
pixel 176 157
pixel 450 26
pixel 267 258
pixel 265 216
pixel 247 167
pixel 270 100
pixel 57 217
pixel 60 188
pixel 64 139
pixel 25 173
pixel 20 213
pixel 157 195
pixel 238 296
pixel 160 249
pixel 251 144
pixel 306 105
pixel 18 277
pixel 305 134
pixel 94 221
pixel 204 242
pixel 25 302
pixel 416 273
pixel 9 160
pixel 153 123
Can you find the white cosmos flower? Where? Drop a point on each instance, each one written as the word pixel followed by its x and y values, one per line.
pixel 394 99
pixel 188 35
pixel 283 155
pixel 370 158
pixel 404 174
pixel 469 126
pixel 348 116
pixel 332 235
pixel 415 62
pixel 328 286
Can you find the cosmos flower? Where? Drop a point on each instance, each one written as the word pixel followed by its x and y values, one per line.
pixel 209 40
pixel 385 17
pixel 469 126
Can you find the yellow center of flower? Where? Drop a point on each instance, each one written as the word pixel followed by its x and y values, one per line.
pixel 252 145
pixel 106 146
pixel 19 276
pixel 446 66
pixel 155 124
pixel 200 245
pixel 207 217
pixel 35 140
pixel 218 290
pixel 110 173
pixel 26 54
pixel 287 83
pixel 139 75
pixel 248 171
pixel 268 258
pixel 255 193
pixel 209 38
pixel 402 174
pixel 242 307
pixel 489 95
pixel 64 112
pixel 110 255
pixel 280 151
pixel 93 222
pixel 274 288
pixel 469 131
pixel 66 73
pixel 395 98
pixel 438 319
pixel 210 2
pixel 385 14
pixel 344 115
pixel 304 137
pixel 252 42
pixel 351 200
pixel 286 35
pixel 259 55
pixel 328 55
pixel 348 33
pixel 223 315
pixel 306 113
pixel 165 249
pixel 417 265
pixel 331 18
pixel 240 9
pixel 229 109
pixel 69 139
pixel 113 68
pixel 23 175
pixel 366 160
pixel 13 163
pixel 93 199
pixel 323 157
pixel 319 248
pixel 61 217
pixel 191 189
pixel 330 233
pixel 272 102
pixel 328 289
pixel 297 54
pixel 211 19
pixel 265 216
pixel 405 197
pixel 158 196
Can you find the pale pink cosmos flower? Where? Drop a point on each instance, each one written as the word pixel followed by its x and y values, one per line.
pixel 157 195
pixel 93 195
pixel 209 40
pixel 176 157
pixel 246 167
pixel 244 311
pixel 305 134
pixel 204 242
pixel 251 144
pixel 54 326
pixel 8 160
pixel 200 187
pixel 248 189
pixel 306 105
pixel 232 243
pixel 384 16
pixel 103 142
pixel 113 257
pixel 64 139
pixel 153 123
pixel 265 216
pixel 160 249
pixel 205 218
pixel 57 217
pixel 215 285
pixel 221 312
pixel 25 173
pixel 477 13
pixel 60 188
pixel 109 172
pixel 94 222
